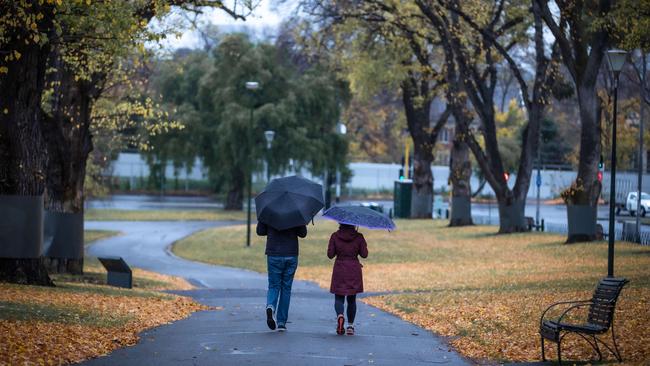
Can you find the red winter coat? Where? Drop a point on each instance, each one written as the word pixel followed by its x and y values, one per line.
pixel 346 244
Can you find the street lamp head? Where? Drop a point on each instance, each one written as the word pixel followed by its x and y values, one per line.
pixel 269 135
pixel 616 59
pixel 252 85
pixel 341 129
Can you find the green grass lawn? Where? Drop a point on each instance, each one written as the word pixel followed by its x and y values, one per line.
pixel 486 291
pixel 227 246
pixel 472 256
pixel 163 215
pixel 91 236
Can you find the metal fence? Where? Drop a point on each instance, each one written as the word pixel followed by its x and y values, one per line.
pixel 619 232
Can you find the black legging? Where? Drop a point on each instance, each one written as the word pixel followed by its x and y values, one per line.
pixel 352 306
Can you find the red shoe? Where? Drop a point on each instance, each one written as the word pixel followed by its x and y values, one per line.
pixel 339 325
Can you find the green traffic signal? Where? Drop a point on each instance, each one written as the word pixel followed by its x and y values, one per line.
pixel 601 164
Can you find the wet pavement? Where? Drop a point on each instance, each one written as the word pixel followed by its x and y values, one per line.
pixel 238 335
pixel 154 202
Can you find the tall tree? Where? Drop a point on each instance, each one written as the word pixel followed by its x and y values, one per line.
pixel 479 37
pixel 582 37
pixel 31 33
pixel 302 106
pixel 632 28
pixel 381 48
pixel 83 65
pixel 79 64
pixel 25 28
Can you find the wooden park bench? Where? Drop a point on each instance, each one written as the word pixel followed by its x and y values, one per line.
pixel 599 320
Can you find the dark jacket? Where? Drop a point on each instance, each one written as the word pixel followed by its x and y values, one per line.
pixel 347 244
pixel 281 243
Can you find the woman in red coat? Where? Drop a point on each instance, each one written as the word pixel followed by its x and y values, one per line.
pixel 346 245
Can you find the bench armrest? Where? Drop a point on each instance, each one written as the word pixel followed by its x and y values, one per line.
pixel 571 308
pixel 541 319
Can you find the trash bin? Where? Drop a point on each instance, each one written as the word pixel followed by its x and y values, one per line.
pixel 402 198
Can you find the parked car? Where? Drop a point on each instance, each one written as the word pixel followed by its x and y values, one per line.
pixel 373 206
pixel 630 204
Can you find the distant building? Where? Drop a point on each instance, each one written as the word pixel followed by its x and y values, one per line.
pixel 442 150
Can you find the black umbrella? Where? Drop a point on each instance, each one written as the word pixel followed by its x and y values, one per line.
pixel 360 216
pixel 289 202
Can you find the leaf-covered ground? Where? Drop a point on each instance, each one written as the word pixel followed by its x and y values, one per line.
pixel 484 291
pixel 81 317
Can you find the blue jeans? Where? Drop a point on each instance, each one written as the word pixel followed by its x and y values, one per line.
pixel 281 271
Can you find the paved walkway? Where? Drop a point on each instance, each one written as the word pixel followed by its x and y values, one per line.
pixel 238 335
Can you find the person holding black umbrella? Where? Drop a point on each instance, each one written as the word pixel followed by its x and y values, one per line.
pixel 283 209
pixel 282 262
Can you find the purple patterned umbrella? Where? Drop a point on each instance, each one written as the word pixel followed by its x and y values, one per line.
pixel 360 216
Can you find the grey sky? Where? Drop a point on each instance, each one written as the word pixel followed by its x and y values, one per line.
pixel 264 17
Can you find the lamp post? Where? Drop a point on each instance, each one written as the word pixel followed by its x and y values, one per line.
pixel 341 130
pixel 642 78
pixel 252 86
pixel 269 135
pixel 538 179
pixel 616 60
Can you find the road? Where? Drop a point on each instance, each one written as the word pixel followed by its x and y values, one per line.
pixel 550 213
pixel 237 335
pixel 149 202
pixel 554 216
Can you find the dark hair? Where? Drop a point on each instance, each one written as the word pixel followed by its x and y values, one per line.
pixel 347 226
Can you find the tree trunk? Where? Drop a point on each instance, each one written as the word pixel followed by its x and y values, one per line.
pixel 64 265
pixel 460 172
pixel 590 145
pixel 24 271
pixel 417 105
pixel 329 180
pixel 582 223
pixel 64 238
pixel 582 49
pixel 511 216
pixel 590 150
pixel 529 145
pixel 22 149
pixel 66 129
pixel 235 199
pixel 422 193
